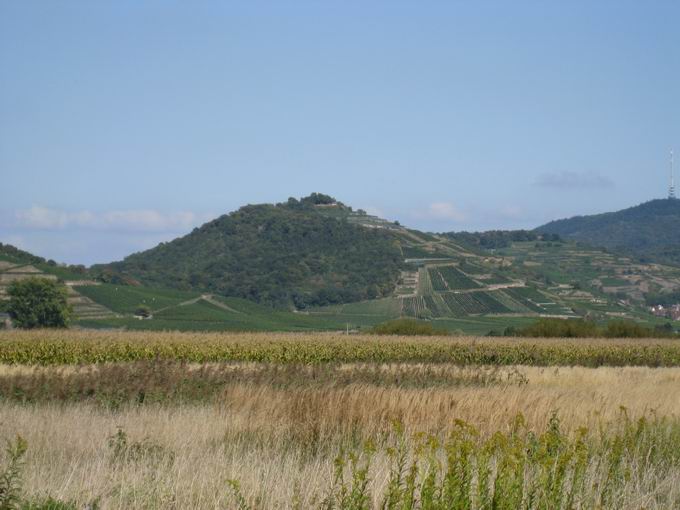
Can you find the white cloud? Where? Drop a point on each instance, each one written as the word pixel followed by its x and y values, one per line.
pixel 40 218
pixel 142 220
pixel 574 180
pixel 445 211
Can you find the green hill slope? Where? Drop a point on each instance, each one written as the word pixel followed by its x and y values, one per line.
pixel 650 231
pixel 292 253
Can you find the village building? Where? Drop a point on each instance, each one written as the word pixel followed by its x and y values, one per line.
pixel 670 312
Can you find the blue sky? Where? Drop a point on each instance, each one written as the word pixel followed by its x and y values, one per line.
pixel 125 123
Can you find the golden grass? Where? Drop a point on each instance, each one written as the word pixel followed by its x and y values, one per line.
pixel 273 438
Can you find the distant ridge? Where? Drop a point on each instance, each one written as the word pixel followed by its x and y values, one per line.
pixel 649 231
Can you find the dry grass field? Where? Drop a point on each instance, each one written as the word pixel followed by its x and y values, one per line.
pixel 166 433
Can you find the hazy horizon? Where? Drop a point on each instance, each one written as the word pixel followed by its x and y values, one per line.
pixel 124 124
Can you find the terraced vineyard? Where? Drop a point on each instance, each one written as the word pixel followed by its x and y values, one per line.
pixel 437 306
pixel 413 306
pixel 528 297
pixel 456 279
pixel 83 307
pixel 492 304
pixel 473 303
pixel 473 286
pixel 525 281
pixel 493 279
pixel 512 304
pixel 438 282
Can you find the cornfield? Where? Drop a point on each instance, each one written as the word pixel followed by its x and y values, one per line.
pixel 49 347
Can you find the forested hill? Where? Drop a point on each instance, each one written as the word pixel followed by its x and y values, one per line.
pixel 14 254
pixel 285 254
pixel 650 231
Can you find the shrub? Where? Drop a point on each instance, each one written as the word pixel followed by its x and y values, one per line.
pixel 579 328
pixel 143 311
pixel 630 329
pixel 409 327
pixel 559 328
pixel 38 303
pixel 54 504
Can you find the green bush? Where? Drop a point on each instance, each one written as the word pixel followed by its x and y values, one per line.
pixel 559 328
pixel 54 504
pixel 579 328
pixel 38 303
pixel 10 476
pixel 11 483
pixel 143 311
pixel 410 327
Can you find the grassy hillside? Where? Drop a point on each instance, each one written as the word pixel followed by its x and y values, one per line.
pixel 650 231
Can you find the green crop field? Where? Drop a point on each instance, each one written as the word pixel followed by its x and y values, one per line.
pixel 495 279
pixel 413 306
pixel 435 308
pixel 455 279
pixel 125 299
pixel 437 280
pixel 473 303
pixel 235 314
pixel 511 304
pixel 527 296
pixel 202 311
pixel 492 304
pixel 481 325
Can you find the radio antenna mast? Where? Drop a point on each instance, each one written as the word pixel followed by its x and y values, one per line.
pixel 671 187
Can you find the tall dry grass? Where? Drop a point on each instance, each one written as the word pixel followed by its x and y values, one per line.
pixel 280 440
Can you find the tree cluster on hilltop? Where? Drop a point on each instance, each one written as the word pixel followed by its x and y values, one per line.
pixel 19 256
